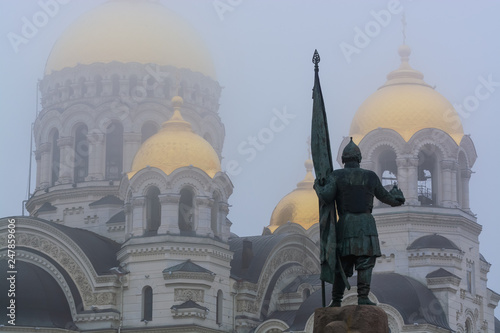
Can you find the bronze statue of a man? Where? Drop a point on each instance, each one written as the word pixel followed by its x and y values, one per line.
pixel 353 189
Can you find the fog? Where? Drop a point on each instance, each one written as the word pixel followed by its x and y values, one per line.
pixel 262 53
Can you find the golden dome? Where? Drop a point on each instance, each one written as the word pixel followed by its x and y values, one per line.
pixel 131 31
pixel 299 206
pixel 176 146
pixel 406 104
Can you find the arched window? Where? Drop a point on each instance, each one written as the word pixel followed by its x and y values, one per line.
pixel 147 303
pixel 220 301
pixel 148 130
pixel 214 218
pixel 305 294
pixel 114 151
pixel 186 211
pixel 468 326
pixel 81 165
pixel 427 180
pixel 153 211
pixel 56 158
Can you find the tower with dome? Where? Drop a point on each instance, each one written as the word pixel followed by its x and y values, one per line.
pixel 128 228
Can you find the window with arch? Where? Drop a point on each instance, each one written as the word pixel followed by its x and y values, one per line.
pixel 214 218
pixel 81 163
pixel 186 211
pixel 220 303
pixel 114 151
pixel 148 130
pixel 306 293
pixel 147 303
pixel 426 175
pixel 468 326
pixel 55 158
pixel 153 211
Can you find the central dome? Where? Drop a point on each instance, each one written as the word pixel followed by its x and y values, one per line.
pixel 176 146
pixel 140 31
pixel 406 104
pixel 299 206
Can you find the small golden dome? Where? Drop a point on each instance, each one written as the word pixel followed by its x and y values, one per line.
pixel 131 31
pixel 406 104
pixel 299 206
pixel 176 146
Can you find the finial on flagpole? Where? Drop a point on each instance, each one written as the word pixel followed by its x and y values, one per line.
pixel 316 59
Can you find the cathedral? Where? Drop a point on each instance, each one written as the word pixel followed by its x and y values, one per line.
pixel 128 229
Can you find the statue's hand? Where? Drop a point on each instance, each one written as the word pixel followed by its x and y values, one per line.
pixel 397 194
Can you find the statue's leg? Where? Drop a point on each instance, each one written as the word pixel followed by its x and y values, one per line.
pixel 364 266
pixel 338 287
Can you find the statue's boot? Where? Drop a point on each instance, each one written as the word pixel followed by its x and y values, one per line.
pixel 337 293
pixel 364 279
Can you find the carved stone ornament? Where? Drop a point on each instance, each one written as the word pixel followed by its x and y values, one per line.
pixel 182 295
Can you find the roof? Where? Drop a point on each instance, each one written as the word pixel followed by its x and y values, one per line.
pixel 187 266
pixel 261 247
pixel 46 207
pixel 497 325
pixel 189 305
pixel 118 217
pixel 51 308
pixel 408 296
pixel 434 241
pixel 101 251
pixel 107 200
pixel 441 272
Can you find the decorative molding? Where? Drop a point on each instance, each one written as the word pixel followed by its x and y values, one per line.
pixel 183 294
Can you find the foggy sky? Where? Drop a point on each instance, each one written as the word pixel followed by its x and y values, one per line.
pixel 262 53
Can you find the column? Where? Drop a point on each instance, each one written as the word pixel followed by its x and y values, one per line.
pixel 138 220
pixel 465 178
pixel 447 181
pixel 131 144
pixel 44 151
pixel 204 216
pixel 38 159
pixel 67 159
pixel 96 155
pixel 224 228
pixel 408 178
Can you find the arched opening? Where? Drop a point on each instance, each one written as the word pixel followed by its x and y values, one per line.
pixel 147 303
pixel 214 218
pixel 468 326
pixel 148 130
pixel 153 211
pixel 186 211
pixel 388 168
pixel 427 176
pixel 114 151
pixel 220 301
pixel 81 163
pixel 306 293
pixel 55 158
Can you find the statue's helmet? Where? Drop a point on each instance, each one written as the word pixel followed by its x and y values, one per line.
pixel 351 153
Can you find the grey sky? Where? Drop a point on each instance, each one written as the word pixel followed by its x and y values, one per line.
pixel 262 54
